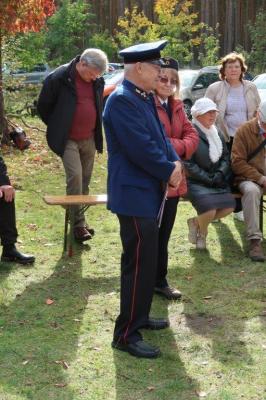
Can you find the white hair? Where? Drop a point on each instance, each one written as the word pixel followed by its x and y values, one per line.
pixel 95 58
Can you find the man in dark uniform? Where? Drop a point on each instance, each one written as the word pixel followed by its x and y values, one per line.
pixel 141 162
pixel 8 230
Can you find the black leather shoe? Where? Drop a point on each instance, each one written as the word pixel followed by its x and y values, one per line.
pixel 156 324
pixel 168 292
pixel 81 234
pixel 138 349
pixel 13 255
pixel 90 230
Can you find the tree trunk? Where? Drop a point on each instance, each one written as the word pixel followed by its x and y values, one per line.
pixel 3 123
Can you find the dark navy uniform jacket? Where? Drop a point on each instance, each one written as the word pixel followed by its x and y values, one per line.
pixel 140 157
pixel 4 179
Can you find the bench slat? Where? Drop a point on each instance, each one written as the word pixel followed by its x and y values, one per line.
pixel 73 200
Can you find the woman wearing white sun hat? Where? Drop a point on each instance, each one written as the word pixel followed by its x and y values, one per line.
pixel 208 173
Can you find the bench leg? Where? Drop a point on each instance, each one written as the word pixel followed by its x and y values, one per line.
pixel 71 231
pixel 261 214
pixel 65 231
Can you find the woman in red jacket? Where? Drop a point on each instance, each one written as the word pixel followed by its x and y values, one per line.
pixel 184 139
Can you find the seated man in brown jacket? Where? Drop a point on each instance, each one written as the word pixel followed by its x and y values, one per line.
pixel 250 176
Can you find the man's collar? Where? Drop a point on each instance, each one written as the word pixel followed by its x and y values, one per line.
pixel 162 101
pixel 139 92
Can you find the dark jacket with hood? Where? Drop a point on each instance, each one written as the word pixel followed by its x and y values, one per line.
pixel 57 103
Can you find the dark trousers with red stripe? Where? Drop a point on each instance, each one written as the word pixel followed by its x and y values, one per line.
pixel 8 230
pixel 139 237
pixel 169 214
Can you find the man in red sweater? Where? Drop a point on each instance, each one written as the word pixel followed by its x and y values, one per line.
pixel 70 104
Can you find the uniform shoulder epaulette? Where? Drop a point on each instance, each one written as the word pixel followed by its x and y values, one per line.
pixel 141 93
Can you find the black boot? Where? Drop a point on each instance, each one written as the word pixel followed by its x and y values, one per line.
pixel 11 254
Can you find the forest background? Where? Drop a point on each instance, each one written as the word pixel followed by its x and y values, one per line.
pixel 199 32
pixel 54 31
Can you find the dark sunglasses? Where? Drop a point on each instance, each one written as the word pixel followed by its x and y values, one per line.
pixel 164 79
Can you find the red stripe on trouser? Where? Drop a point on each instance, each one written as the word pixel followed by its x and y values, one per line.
pixel 135 280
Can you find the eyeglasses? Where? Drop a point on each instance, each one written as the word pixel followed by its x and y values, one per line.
pixel 164 79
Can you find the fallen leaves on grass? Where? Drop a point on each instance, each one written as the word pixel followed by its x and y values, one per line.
pixel 32 227
pixel 60 385
pixel 49 301
pixel 63 363
pixel 150 388
pixel 201 394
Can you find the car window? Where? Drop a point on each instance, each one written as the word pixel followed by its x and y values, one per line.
pixel 114 79
pixel 207 79
pixel 213 77
pixel 38 68
pixel 202 80
pixel 186 77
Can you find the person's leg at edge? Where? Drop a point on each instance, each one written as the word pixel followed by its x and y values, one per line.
pixel 161 285
pixel 9 234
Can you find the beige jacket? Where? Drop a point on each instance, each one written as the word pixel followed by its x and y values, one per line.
pixel 246 140
pixel 218 92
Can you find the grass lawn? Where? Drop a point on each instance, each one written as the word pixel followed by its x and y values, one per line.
pixel 214 349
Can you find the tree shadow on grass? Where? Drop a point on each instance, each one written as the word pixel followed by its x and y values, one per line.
pixel 39 341
pixel 163 378
pixel 231 251
pixel 215 307
pixel 241 228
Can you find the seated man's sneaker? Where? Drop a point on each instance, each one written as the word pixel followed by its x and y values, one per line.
pixel 81 234
pixel 11 254
pixel 138 349
pixel 168 292
pixel 156 324
pixel 256 251
pixel 239 216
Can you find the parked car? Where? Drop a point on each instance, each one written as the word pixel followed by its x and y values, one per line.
pixel 112 66
pixel 33 76
pixel 260 82
pixel 111 82
pixel 193 83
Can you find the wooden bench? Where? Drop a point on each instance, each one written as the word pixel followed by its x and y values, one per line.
pixel 85 201
pixel 67 201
